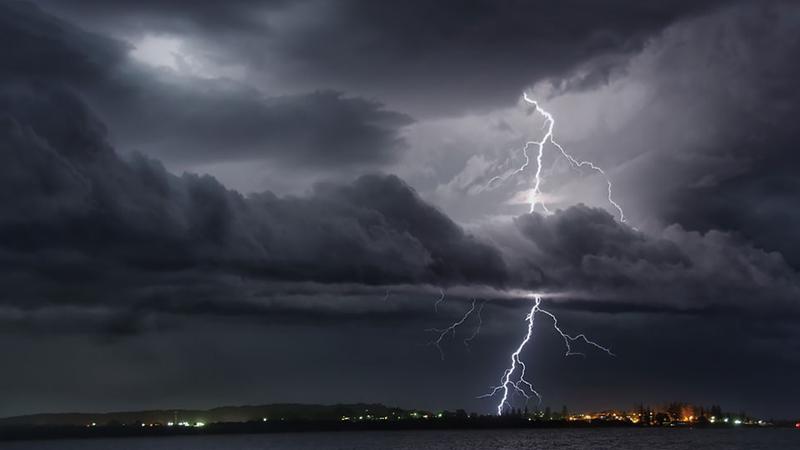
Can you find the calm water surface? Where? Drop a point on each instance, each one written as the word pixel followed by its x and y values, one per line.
pixel 440 440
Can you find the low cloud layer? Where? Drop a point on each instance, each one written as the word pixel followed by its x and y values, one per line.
pixel 584 249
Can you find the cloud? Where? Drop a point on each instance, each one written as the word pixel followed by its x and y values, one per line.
pixel 441 58
pixel 695 129
pixel 698 128
pixel 95 231
pixel 88 224
pixel 188 120
pixel 204 124
pixel 83 226
pixel 584 250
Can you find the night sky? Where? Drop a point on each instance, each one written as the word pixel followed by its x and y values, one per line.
pixel 244 202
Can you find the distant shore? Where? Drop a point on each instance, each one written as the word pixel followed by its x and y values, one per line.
pixel 22 432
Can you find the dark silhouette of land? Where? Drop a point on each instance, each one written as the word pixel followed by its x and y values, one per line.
pixel 343 417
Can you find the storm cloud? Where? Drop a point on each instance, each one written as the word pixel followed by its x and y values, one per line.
pixel 72 195
pixel 429 57
pixel 586 249
pixel 193 120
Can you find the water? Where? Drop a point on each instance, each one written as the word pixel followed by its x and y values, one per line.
pixel 628 438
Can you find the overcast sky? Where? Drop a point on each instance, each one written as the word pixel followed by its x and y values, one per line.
pixel 241 202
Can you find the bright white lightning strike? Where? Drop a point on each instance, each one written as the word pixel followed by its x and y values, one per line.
pixel 536 193
pixel 506 383
pixel 513 379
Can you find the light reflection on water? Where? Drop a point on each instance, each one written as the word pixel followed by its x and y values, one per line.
pixel 626 438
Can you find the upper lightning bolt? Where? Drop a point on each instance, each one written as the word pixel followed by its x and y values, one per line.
pixel 536 192
pixel 548 137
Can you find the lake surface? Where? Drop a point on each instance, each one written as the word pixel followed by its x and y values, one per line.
pixel 622 438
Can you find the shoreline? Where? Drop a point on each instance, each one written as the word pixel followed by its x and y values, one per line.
pixel 23 433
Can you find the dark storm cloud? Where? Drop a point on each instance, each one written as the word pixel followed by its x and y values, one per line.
pixel 753 184
pixel 103 243
pixel 81 225
pixel 586 249
pixel 78 222
pixel 197 296
pixel 714 145
pixel 214 121
pixel 174 15
pixel 427 56
pixel 194 120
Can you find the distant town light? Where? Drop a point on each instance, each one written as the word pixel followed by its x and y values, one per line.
pixel 199 424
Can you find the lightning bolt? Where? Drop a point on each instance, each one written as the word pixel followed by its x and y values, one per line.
pixel 568 339
pixel 536 192
pixel 477 329
pixel 506 382
pixel 443 332
pixel 451 329
pixel 513 379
